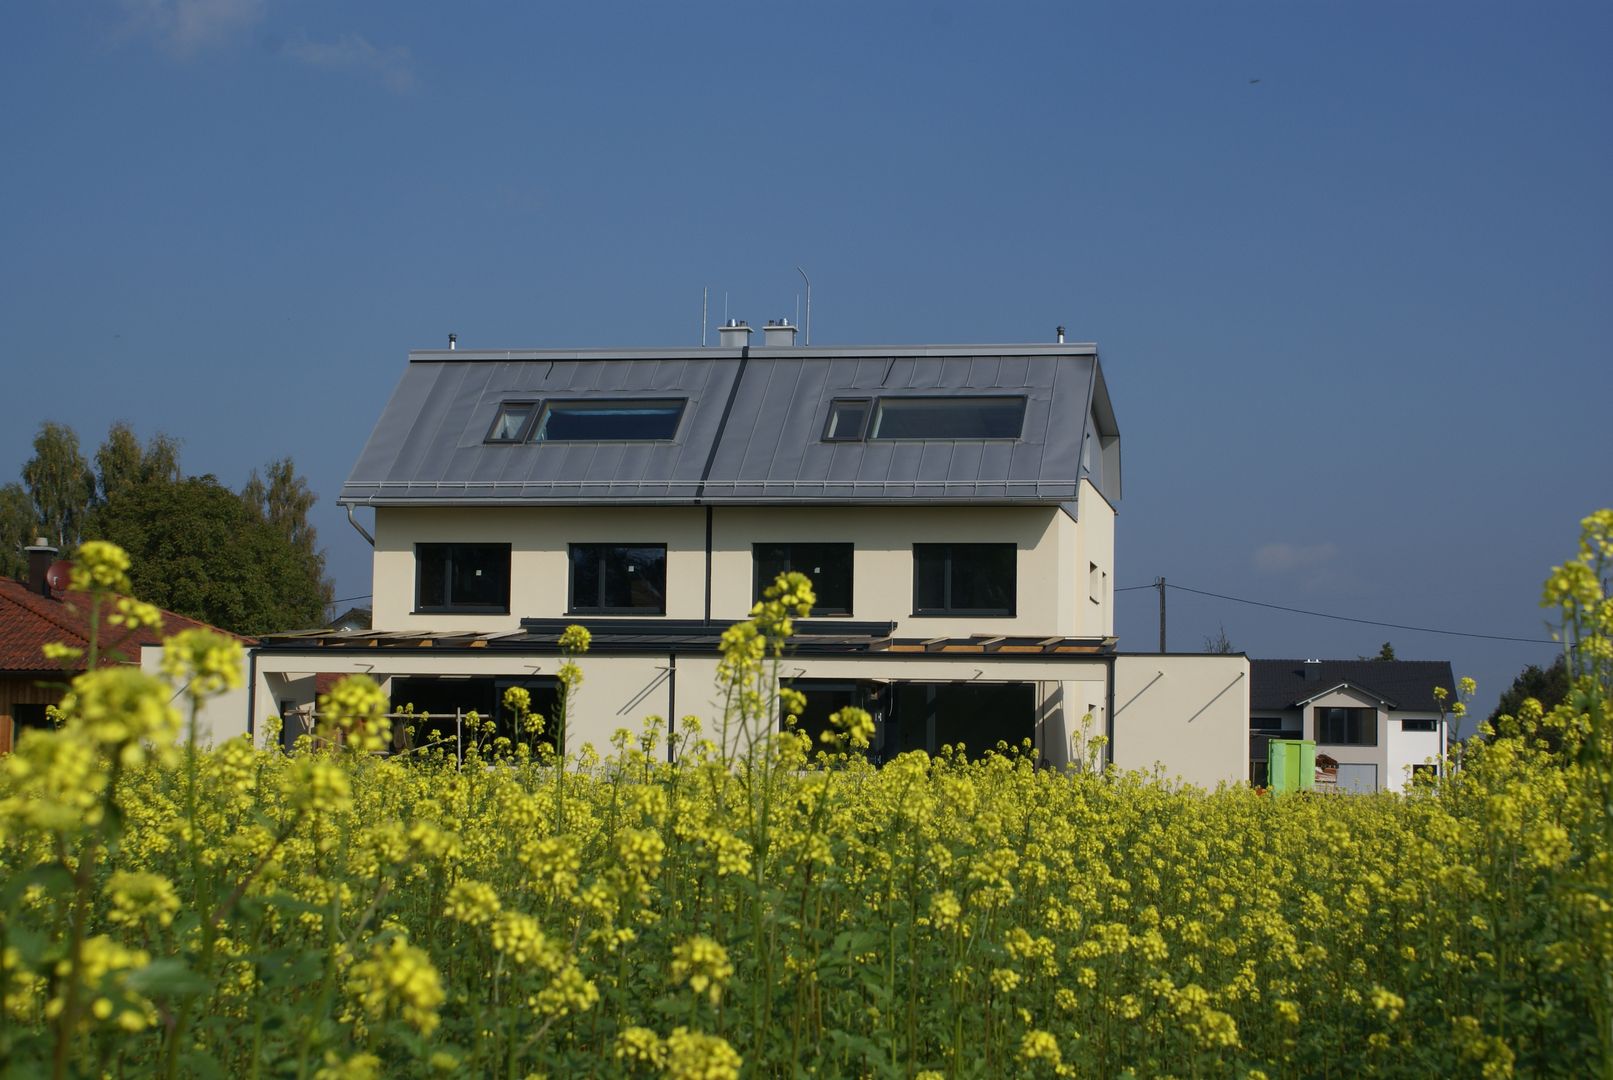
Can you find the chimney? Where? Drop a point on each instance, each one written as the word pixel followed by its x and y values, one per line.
pixel 1313 671
pixel 780 334
pixel 40 555
pixel 735 335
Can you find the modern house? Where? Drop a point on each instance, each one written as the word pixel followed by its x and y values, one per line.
pixel 41 611
pixel 953 505
pixel 1380 720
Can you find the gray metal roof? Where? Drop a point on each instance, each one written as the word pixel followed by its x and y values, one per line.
pixel 751 431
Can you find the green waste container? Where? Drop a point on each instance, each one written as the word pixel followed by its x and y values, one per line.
pixel 1292 764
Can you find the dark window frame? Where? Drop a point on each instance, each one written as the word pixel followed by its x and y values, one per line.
pixel 525 432
pixel 1265 723
pixel 449 606
pixel 1419 723
pixel 1322 729
pixel 538 435
pixel 572 607
pixel 948 609
pixel 757 584
pixel 832 435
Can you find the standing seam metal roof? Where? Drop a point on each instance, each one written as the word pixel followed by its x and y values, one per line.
pixel 429 448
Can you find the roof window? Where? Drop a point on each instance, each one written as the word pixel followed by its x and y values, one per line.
pixel 512 421
pixel 948 418
pixel 848 418
pixel 609 421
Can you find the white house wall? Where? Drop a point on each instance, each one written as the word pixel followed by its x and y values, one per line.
pixel 1183 716
pixel 1408 748
pixel 1376 756
pixel 221 717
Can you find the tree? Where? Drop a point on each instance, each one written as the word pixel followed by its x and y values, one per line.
pixel 1220 644
pixel 1386 653
pixel 60 484
pixel 283 503
pixel 1549 686
pixel 122 463
pixel 18 527
pixel 199 551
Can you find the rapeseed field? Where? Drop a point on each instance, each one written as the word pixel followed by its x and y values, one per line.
pixel 769 907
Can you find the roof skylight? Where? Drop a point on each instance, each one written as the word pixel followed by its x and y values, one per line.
pixel 948 418
pixel 609 421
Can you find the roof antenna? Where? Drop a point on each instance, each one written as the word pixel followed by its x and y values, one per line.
pixel 705 297
pixel 808 327
pixel 453 342
pixel 1061 335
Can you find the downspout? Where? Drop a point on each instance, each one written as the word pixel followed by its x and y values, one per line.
pixel 671 701
pixel 252 695
pixel 362 531
pixel 709 511
pixel 1109 715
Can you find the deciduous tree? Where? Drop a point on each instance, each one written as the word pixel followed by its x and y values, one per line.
pixel 59 483
pixel 284 502
pixel 18 526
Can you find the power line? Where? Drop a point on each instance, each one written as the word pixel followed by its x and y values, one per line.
pixel 1349 619
pixel 345 599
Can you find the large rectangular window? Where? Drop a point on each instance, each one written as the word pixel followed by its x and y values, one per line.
pixel 618 579
pixel 462 577
pixel 948 418
pixel 1347 727
pixel 964 579
pixel 828 565
pixel 609 421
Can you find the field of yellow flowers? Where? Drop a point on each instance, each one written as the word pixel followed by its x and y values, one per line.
pixel 783 909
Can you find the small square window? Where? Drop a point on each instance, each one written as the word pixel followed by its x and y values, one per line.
pixel 828 565
pixel 462 577
pixel 964 579
pixel 512 422
pixel 847 421
pixel 618 579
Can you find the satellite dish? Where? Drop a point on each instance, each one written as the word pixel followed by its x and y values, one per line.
pixel 59 576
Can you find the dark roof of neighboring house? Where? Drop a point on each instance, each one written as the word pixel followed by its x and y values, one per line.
pixel 355 618
pixel 751 432
pixel 29 621
pixel 1405 684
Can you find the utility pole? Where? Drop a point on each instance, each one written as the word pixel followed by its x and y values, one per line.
pixel 1160 585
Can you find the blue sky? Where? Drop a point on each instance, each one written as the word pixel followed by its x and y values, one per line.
pixel 1348 264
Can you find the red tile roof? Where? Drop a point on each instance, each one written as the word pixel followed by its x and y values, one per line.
pixel 29 621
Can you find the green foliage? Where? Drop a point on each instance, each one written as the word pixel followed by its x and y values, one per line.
pixel 285 502
pixel 199 551
pixel 18 527
pixel 60 484
pixel 122 464
pixel 1548 685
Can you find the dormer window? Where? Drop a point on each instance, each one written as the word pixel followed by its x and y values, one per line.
pixel 512 422
pixel 609 421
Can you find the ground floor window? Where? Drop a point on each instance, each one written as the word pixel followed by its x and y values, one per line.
pixel 924 716
pixel 438 701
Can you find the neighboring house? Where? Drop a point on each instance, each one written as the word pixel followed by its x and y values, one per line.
pixel 39 612
pixel 1380 720
pixel 954 506
pixel 357 618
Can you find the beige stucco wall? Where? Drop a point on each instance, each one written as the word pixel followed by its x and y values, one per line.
pixel 1052 588
pixel 1184 716
pixel 1095 547
pixel 539 571
pixel 221 717
pixel 1352 755
pixel 621 691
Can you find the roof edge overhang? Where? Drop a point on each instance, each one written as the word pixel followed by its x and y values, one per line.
pixel 422 501
pixel 1355 688
pixel 442 356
